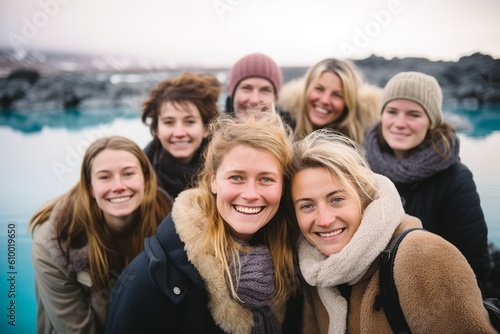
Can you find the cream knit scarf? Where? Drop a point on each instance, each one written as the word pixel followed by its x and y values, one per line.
pixel 379 221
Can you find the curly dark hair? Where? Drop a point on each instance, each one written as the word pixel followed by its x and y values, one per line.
pixel 200 89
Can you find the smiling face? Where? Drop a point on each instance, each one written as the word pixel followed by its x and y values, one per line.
pixel 328 216
pixel 325 101
pixel 404 126
pixel 117 184
pixel 248 185
pixel 181 130
pixel 251 93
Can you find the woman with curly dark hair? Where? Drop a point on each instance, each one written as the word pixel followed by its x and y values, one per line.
pixel 178 112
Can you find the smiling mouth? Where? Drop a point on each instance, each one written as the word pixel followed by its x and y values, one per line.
pixel 180 143
pixel 331 234
pixel 120 199
pixel 321 110
pixel 248 210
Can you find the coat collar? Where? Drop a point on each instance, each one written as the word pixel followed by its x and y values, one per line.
pixel 78 257
pixel 191 225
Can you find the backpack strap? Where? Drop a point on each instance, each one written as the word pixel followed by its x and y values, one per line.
pixel 389 297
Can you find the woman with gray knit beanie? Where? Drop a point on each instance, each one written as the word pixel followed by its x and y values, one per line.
pixel 223 260
pixel 419 152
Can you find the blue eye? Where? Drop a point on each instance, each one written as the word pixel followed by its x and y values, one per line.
pixel 305 207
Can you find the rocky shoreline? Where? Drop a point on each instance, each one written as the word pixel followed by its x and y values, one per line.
pixel 472 80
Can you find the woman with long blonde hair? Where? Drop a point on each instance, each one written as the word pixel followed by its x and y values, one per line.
pixel 332 94
pixel 222 261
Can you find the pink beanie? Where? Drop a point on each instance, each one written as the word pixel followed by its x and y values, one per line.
pixel 254 65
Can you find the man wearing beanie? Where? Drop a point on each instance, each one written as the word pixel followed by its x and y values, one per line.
pixel 254 83
pixel 414 147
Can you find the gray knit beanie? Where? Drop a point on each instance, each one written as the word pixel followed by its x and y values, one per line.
pixel 418 87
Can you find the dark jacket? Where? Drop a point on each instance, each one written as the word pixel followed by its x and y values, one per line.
pixel 162 290
pixel 448 204
pixel 172 175
pixel 441 192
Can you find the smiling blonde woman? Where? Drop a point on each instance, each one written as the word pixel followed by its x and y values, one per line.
pixel 347 216
pixel 225 255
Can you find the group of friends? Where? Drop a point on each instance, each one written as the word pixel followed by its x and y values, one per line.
pixel 269 216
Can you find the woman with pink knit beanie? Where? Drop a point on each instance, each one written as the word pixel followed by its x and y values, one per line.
pixel 254 83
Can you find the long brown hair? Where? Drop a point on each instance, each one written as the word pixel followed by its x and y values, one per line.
pixel 80 221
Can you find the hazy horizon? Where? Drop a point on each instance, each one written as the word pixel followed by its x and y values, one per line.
pixel 216 33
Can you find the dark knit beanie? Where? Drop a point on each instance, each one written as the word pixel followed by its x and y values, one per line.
pixel 254 65
pixel 417 87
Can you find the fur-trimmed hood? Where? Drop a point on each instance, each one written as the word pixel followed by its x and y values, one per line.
pixel 292 93
pixel 291 98
pixel 179 242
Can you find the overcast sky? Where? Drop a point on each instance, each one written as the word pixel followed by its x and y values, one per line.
pixel 218 32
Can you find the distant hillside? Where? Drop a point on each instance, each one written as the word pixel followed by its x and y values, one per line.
pixel 37 80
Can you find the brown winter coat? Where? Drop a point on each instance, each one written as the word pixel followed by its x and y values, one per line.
pixel 437 290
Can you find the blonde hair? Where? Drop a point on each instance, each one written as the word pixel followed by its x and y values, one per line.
pixel 268 133
pixel 341 157
pixel 80 221
pixel 356 117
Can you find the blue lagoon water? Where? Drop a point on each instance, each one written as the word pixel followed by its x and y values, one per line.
pixel 41 152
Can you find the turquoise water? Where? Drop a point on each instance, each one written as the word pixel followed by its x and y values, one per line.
pixel 41 159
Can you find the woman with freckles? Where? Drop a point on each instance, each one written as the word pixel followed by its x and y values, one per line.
pixel 347 215
pixel 417 150
pixel 84 239
pixel 178 112
pixel 222 261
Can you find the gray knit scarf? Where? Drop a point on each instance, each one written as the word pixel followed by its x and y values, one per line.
pixel 255 288
pixel 422 163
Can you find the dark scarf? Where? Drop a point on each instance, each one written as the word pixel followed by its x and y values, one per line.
pixel 422 163
pixel 255 288
pixel 172 175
